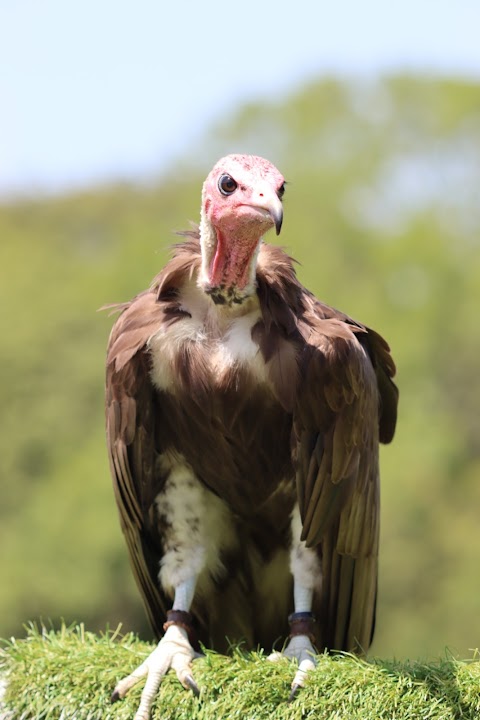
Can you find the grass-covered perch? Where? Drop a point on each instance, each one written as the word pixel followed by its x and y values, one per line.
pixel 70 674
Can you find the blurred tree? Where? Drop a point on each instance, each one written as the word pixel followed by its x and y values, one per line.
pixel 383 213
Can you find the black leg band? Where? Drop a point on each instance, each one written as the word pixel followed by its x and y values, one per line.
pixel 184 620
pixel 302 623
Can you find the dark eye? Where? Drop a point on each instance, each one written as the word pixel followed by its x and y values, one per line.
pixel 281 190
pixel 227 185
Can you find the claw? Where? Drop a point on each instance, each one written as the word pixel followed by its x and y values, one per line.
pixel 301 649
pixel 293 692
pixel 188 679
pixel 173 651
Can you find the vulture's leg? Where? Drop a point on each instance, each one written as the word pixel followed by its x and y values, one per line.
pixel 192 525
pixel 307 575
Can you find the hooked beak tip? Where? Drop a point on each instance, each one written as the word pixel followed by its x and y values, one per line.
pixel 277 217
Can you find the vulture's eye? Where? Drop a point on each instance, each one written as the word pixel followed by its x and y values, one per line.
pixel 281 191
pixel 227 185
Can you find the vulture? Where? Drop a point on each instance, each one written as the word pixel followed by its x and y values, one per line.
pixel 243 421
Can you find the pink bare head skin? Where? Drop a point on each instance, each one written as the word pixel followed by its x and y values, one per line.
pixel 241 201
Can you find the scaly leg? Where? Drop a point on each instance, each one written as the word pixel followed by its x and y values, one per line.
pixel 306 571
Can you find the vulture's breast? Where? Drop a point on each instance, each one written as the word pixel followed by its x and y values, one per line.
pixel 208 350
pixel 216 407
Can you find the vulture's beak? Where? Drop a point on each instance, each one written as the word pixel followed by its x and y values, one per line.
pixel 273 205
pixel 276 211
pixel 270 203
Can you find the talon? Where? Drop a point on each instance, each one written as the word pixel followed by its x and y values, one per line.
pixel 173 651
pixel 293 692
pixel 188 679
pixel 299 648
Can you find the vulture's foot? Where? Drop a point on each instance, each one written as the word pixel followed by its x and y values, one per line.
pixel 299 648
pixel 173 651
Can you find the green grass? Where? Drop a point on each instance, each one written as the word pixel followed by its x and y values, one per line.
pixel 71 673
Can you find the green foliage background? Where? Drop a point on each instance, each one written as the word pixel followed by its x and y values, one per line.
pixel 383 213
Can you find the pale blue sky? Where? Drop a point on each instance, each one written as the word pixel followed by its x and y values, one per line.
pixel 98 90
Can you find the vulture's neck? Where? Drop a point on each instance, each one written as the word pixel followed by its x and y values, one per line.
pixel 229 263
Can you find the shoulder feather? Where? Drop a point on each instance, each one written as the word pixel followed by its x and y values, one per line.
pixel 141 317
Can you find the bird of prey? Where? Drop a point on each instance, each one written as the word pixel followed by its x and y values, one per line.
pixel 243 423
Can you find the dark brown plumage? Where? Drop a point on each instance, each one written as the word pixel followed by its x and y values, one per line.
pixel 251 400
pixel 330 402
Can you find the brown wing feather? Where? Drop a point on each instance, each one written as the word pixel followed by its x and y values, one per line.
pixel 130 446
pixel 338 422
pixel 344 403
pixel 131 420
pixel 131 435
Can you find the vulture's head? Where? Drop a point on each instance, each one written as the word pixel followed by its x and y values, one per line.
pixel 241 200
